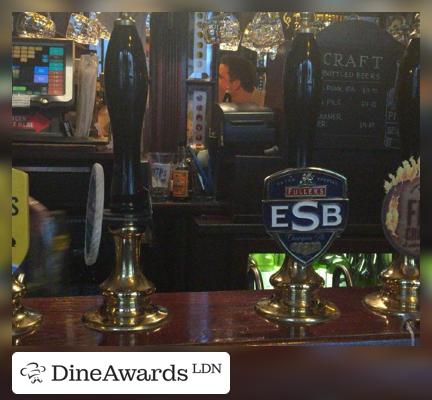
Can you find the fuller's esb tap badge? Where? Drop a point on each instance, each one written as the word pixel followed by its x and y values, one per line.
pixel 305 209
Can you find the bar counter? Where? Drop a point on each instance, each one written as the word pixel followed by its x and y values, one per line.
pixel 218 318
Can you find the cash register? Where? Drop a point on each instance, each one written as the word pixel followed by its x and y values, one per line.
pixel 243 149
pixel 42 87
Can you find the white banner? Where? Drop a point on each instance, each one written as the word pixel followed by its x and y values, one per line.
pixel 121 373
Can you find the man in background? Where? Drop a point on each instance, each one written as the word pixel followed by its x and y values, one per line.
pixel 237 77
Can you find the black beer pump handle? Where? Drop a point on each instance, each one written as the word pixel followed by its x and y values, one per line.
pixel 126 84
pixel 302 94
pixel 408 100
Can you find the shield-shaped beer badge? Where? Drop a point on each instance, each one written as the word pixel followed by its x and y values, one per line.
pixel 305 209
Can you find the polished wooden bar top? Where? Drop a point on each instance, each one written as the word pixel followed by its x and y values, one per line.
pixel 217 318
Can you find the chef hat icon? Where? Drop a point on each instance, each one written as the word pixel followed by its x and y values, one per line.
pixel 33 371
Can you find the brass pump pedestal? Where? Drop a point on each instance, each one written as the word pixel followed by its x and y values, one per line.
pixel 296 298
pixel 24 320
pixel 126 306
pixel 126 293
pixel 399 295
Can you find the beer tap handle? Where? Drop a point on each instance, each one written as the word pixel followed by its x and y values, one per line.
pixel 408 97
pixel 126 85
pixel 302 93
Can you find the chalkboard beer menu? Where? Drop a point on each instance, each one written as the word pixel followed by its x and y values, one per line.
pixel 359 67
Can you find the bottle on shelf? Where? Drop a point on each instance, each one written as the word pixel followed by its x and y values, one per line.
pixel 227 97
pixel 101 117
pixel 180 176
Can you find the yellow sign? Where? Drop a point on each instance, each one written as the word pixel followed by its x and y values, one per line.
pixel 20 216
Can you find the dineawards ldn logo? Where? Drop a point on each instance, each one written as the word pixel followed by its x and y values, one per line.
pixel 121 373
pixel 33 371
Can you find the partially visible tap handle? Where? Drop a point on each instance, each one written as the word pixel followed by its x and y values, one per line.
pixel 302 93
pixel 408 97
pixel 126 85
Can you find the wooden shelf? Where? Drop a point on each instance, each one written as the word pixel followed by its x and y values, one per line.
pixel 46 152
pixel 50 138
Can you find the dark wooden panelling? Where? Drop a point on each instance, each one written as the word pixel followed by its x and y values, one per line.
pixel 168 74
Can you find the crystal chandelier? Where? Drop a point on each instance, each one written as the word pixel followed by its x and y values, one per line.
pixel 82 30
pixel 264 34
pixel 100 27
pixel 223 29
pixel 35 25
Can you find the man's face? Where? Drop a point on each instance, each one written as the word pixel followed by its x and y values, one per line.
pixel 224 81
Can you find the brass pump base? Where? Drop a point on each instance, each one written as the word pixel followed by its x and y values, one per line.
pixel 126 306
pixel 275 309
pixel 24 320
pixel 296 298
pixel 148 319
pixel 399 296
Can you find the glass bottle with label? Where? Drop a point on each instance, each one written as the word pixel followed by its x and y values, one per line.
pixel 180 176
